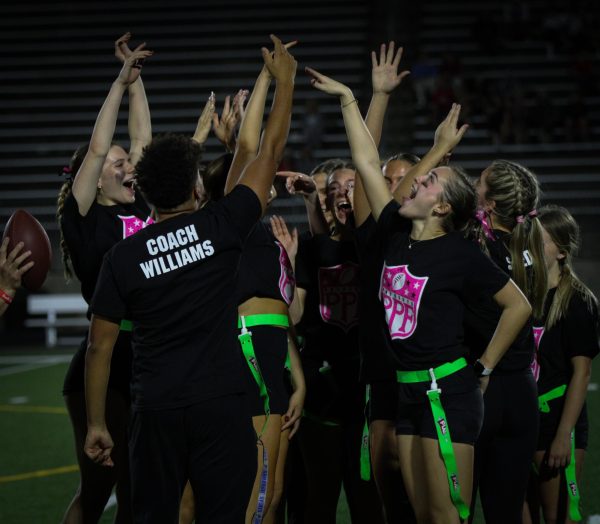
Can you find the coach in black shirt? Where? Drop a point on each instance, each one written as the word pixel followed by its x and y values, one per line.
pixel 176 282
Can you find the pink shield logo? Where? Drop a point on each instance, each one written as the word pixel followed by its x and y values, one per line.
pixel 535 365
pixel 287 279
pixel 338 295
pixel 132 224
pixel 400 292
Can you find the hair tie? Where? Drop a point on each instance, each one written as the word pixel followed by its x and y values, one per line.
pixel 532 214
pixel 67 172
pixel 482 217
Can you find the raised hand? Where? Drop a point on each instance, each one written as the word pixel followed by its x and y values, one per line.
pixel 280 63
pixel 205 120
pixel 224 126
pixel 384 75
pixel 132 67
pixel 326 84
pixel 448 134
pixel 239 104
pixel 298 183
pixel 283 236
pixel 122 51
pixel 12 267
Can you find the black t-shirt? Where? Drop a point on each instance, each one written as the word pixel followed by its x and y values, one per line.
pixel 375 344
pixel 574 335
pixel 482 315
pixel 176 280
pixel 424 287
pixel 328 271
pixel 265 268
pixel 89 237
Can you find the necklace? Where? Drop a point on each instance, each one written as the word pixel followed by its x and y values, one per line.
pixel 412 242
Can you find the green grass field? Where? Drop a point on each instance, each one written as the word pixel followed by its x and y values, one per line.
pixel 36 439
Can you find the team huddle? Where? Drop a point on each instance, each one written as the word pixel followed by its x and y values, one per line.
pixel 428 332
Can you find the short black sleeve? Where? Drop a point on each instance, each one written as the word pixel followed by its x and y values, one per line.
pixel 107 300
pixel 581 329
pixel 242 209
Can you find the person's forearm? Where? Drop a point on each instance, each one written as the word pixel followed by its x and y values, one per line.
pixel 376 115
pixel 296 309
pixel 364 155
pixel 278 124
pixel 249 134
pixel 104 128
pixel 574 400
pixel 97 371
pixel 511 321
pixel 139 123
pixel 317 223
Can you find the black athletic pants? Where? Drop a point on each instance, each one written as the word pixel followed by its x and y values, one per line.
pixel 212 443
pixel 506 445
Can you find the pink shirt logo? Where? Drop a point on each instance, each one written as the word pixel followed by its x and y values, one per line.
pixel 338 295
pixel 132 224
pixel 400 292
pixel 535 365
pixel 287 279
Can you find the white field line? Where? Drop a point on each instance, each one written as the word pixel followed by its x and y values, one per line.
pixel 24 363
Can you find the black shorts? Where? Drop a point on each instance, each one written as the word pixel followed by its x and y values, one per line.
pixel 334 394
pixel 211 443
pixel 384 401
pixel 120 367
pixel 271 348
pixel 461 399
pixel 549 423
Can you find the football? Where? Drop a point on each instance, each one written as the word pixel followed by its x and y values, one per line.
pixel 23 227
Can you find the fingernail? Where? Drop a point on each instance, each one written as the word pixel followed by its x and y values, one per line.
pixel 286 418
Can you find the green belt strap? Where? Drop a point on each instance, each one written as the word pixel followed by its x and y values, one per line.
pixel 550 395
pixel 266 319
pixel 446 450
pixel 365 459
pixel 441 423
pixel 410 377
pixel 126 325
pixel 570 476
pixel 572 487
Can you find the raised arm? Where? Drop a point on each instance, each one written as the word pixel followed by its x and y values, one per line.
pixel 249 135
pixel 364 150
pixel 384 79
pixel 259 174
pixel 85 183
pixel 447 136
pixel 139 124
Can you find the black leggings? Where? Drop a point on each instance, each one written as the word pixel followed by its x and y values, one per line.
pixel 506 445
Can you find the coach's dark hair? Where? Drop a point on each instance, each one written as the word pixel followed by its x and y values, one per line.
pixel 167 172
pixel 69 173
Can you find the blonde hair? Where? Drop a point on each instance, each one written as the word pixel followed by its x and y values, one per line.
pixel 564 231
pixel 516 193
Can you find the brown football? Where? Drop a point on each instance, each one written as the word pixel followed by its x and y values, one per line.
pixel 23 227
